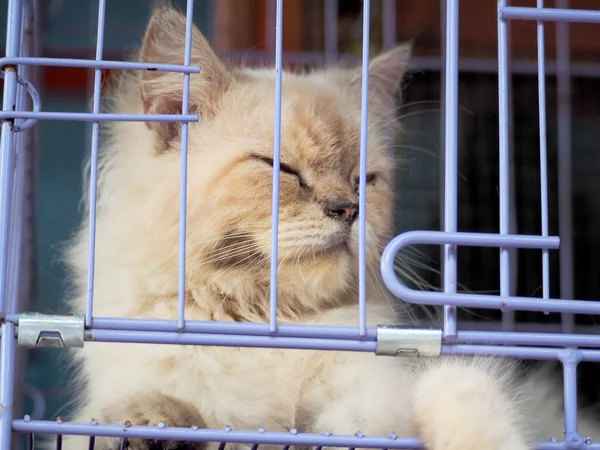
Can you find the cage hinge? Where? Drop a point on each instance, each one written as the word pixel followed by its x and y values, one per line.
pixel 408 342
pixel 50 331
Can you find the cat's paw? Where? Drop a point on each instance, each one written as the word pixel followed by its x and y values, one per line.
pixel 151 409
pixel 463 405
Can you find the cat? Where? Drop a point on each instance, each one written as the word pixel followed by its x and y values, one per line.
pixel 450 403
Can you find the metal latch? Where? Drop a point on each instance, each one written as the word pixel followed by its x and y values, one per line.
pixel 50 331
pixel 409 342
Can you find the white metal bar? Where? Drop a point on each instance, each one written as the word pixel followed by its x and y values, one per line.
pixel 565 211
pixel 504 155
pixel 276 165
pixel 362 189
pixel 7 138
pixel 451 161
pixel 185 107
pixel 543 152
pixel 508 317
pixel 94 166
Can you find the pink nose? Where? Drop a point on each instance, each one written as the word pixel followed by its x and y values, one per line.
pixel 343 210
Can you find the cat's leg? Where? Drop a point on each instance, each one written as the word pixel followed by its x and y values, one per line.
pixel 148 409
pixel 469 404
pixel 449 404
pixel 351 393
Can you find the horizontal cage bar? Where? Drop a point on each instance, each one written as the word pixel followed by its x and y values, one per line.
pixel 549 14
pixel 95 64
pixel 98 117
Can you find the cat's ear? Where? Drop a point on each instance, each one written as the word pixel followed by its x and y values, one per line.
pixel 162 92
pixel 386 74
pixel 387 70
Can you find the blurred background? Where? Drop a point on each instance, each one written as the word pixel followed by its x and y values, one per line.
pixel 316 32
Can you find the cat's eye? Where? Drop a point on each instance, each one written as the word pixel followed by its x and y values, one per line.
pixel 370 179
pixel 283 167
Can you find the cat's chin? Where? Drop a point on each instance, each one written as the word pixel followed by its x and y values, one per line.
pixel 336 249
pixel 337 253
pixel 339 243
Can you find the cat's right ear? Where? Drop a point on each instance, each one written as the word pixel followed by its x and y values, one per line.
pixel 162 92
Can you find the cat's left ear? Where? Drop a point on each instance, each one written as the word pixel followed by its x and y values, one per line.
pixel 387 70
pixel 386 74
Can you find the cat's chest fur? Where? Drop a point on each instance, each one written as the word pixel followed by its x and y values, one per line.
pixel 244 388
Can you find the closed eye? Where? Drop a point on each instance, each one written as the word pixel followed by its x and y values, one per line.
pixel 283 168
pixel 370 179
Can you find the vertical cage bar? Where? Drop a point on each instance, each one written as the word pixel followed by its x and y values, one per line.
pixel 570 362
pixel 543 151
pixel 451 159
pixel 389 24
pixel 13 34
pixel 21 238
pixel 185 107
pixel 94 165
pixel 442 146
pixel 508 317
pixel 565 217
pixel 276 164
pixel 331 30
pixel 91 75
pixel 16 218
pixel 17 226
pixel 504 159
pixel 7 360
pixel 362 189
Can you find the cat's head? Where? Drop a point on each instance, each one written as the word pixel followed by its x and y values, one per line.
pixel 230 169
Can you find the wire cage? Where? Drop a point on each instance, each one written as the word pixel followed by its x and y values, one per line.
pixel 22 110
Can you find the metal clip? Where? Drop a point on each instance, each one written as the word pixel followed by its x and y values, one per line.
pixel 409 342
pixel 50 331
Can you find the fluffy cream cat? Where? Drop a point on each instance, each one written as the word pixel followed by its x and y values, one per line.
pixel 452 404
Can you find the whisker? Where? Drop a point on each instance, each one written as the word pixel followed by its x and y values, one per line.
pixel 236 246
pixel 225 256
pixel 425 135
pixel 422 102
pixel 192 245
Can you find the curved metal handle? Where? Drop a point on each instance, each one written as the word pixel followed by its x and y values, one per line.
pixel 475 300
pixel 35 98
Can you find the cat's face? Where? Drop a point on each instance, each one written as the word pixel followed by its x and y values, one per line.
pixel 320 143
pixel 231 157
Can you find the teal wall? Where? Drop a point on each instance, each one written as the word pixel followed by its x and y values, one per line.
pixel 71 25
